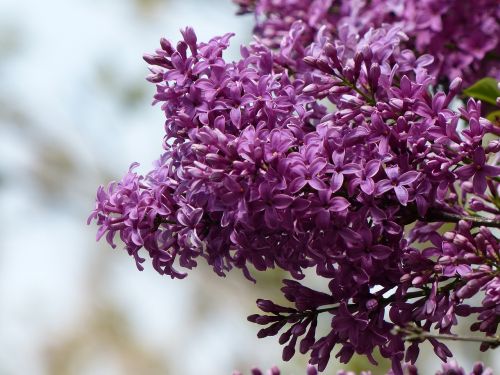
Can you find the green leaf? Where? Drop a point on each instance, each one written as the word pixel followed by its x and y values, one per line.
pixel 494 116
pixel 485 89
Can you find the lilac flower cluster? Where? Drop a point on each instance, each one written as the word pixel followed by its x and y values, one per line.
pixel 317 156
pixel 451 368
pixel 463 36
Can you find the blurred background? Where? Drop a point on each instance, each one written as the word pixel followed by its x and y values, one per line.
pixel 74 113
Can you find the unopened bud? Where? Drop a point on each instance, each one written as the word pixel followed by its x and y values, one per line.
pixel 455 85
pixel 374 76
pixel 460 240
pixel 444 260
pixel 419 280
pixel 367 54
pixel 478 368
pixel 371 304
pixel 437 268
pixel 405 278
pixel 469 289
pixel 309 60
pixel 449 236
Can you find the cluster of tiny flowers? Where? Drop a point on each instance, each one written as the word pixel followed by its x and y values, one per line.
pixel 451 368
pixel 463 36
pixel 316 157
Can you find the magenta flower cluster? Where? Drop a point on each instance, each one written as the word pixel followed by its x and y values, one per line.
pixel 463 36
pixel 334 153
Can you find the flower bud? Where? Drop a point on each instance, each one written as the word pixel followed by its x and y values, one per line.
pixel 309 60
pixel 449 236
pixel 493 146
pixel 367 54
pixel 348 73
pixel 405 278
pixel 371 304
pixel 332 53
pixel 374 75
pixel 455 85
pixel 445 260
pixel 419 280
pixel 358 60
pixel 460 240
pixel 472 258
pixel 166 46
pixel 478 368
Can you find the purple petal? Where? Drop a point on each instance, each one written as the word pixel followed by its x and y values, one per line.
pixel 317 165
pixel 401 194
pixel 323 218
pixel 317 184
pixel 136 238
pixel 368 186
pixel 236 117
pixel 297 184
pixel 372 167
pixel 196 216
pixel 300 204
pixel 380 251
pixel 336 181
pixel 271 217
pixel 282 201
pixel 408 177
pixel 491 170
pixel 465 172
pixel 338 204
pixel 231 185
pixel 422 205
pixel 338 158
pixel 378 214
pixel 383 186
pixel 392 172
pixel 258 205
pixel 383 146
pixel 392 228
pixel 265 190
pixel 350 168
pixel 479 182
pixel 479 156
pixel 350 236
pixel 324 195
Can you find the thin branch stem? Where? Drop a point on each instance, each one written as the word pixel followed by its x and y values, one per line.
pixel 476 221
pixel 416 333
pixel 383 301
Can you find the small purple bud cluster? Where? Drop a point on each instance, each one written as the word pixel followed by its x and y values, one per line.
pixel 463 36
pixel 317 156
pixel 450 368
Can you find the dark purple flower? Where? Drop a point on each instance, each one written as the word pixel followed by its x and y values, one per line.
pixel 274 161
pixel 308 174
pixel 364 177
pixel 478 170
pixel 397 183
pixel 340 169
pixel 325 205
pixel 270 202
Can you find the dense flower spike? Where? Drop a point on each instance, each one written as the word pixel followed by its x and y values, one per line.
pixel 317 156
pixel 463 36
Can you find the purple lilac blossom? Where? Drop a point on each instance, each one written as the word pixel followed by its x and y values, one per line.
pixel 463 36
pixel 317 157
